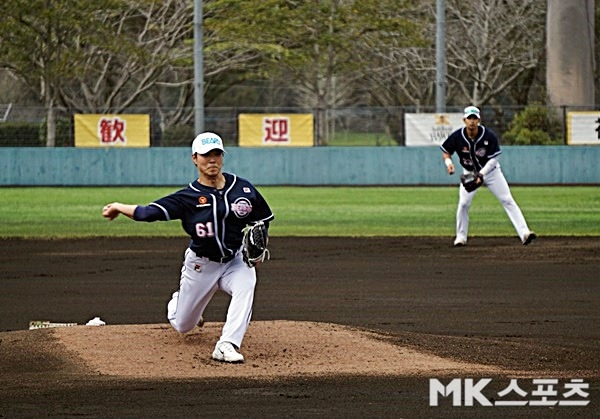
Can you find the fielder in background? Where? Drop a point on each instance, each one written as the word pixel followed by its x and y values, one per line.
pixel 215 210
pixel 478 149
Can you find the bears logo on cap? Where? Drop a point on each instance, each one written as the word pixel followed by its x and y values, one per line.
pixel 206 142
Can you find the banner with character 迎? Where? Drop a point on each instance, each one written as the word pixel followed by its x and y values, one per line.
pixel 276 130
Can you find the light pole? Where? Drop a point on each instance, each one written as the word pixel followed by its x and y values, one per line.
pixel 198 69
pixel 440 58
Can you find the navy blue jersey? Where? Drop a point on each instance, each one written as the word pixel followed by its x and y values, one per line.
pixel 472 154
pixel 213 218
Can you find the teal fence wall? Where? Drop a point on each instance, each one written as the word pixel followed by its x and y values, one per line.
pixel 288 166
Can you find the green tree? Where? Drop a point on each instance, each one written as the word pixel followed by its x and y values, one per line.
pixel 95 56
pixel 141 46
pixel 39 38
pixel 314 45
pixel 535 125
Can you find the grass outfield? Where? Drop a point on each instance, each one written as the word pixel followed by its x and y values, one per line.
pixel 48 212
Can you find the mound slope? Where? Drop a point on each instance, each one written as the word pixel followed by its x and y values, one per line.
pixel 273 349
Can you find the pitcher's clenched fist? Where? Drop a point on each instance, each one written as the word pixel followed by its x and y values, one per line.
pixel 112 210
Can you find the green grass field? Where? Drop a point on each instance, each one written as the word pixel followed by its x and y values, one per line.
pixel 50 212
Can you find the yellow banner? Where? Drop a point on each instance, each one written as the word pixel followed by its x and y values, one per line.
pixel 121 130
pixel 276 130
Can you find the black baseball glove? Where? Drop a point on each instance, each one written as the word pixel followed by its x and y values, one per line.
pixel 254 244
pixel 471 181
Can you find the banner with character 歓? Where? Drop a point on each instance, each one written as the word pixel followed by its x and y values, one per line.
pixel 119 130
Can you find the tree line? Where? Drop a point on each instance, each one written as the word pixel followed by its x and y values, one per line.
pixel 106 56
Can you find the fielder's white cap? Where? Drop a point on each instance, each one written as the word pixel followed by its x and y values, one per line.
pixel 471 110
pixel 205 142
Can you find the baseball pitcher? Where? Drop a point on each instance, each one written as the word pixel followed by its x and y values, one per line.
pixel 227 220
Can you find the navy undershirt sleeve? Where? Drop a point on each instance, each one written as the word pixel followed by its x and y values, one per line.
pixel 148 213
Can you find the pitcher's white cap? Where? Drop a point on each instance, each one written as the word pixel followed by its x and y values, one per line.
pixel 207 141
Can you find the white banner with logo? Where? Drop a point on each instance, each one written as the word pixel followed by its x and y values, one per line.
pixel 430 128
pixel 583 128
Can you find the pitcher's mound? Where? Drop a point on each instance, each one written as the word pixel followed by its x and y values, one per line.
pixel 271 348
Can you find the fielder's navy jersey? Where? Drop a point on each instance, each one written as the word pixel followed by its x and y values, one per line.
pixel 213 218
pixel 472 154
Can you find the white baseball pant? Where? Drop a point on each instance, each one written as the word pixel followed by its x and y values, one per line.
pixel 497 184
pixel 200 279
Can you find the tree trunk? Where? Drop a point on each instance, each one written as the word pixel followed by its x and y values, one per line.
pixel 570 51
pixel 50 125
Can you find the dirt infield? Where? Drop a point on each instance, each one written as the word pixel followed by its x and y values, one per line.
pixel 341 327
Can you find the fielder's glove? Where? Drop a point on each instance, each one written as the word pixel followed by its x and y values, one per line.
pixel 254 244
pixel 471 181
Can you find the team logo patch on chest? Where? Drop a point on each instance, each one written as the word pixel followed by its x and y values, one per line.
pixel 481 152
pixel 241 207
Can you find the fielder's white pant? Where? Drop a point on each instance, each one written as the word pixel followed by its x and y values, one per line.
pixel 496 183
pixel 200 279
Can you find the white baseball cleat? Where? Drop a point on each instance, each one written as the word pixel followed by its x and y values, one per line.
pixel 531 236
pixel 226 352
pixel 460 242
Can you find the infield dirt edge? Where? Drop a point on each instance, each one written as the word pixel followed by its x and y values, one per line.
pixel 273 349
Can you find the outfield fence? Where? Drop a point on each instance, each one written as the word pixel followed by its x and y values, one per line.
pixel 156 166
